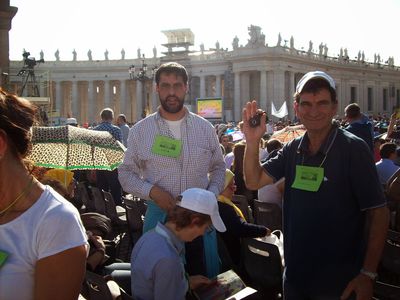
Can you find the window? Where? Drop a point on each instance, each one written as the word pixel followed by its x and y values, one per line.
pixel 385 100
pixel 353 94
pixel 370 99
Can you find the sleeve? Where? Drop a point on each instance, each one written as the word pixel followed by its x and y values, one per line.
pixel 168 280
pixel 236 225
pixel 217 166
pixel 119 134
pixel 129 171
pixel 364 178
pixel 61 229
pixel 275 167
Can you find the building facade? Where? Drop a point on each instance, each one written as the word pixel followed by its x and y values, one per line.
pixel 268 74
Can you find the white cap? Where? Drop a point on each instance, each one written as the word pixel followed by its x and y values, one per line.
pixel 71 121
pixel 205 202
pixel 312 75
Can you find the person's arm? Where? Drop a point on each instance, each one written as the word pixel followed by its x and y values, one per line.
pixel 391 124
pixel 217 167
pixel 129 172
pixel 60 276
pixel 162 198
pixel 254 175
pixel 362 284
pixel 235 225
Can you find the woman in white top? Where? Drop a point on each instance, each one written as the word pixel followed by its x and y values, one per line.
pixel 42 240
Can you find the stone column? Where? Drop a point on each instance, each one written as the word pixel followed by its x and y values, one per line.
pixel 75 101
pixel 107 94
pixel 91 102
pixel 236 98
pixel 7 13
pixel 122 97
pixel 202 86
pixel 263 90
pixel 139 100
pixel 218 86
pixel 291 93
pixel 244 89
pixel 58 97
pixel 279 88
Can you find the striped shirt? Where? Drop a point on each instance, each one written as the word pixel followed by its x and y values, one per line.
pixel 200 163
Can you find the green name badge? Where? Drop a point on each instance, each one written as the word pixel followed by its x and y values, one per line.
pixel 308 178
pixel 166 146
pixel 3 258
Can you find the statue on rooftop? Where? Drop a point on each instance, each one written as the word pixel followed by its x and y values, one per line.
pixel 257 38
pixel 89 54
pixel 279 40
pixel 291 42
pixel 235 43
pixel 74 55
pixel 154 51
pixel 122 53
pixel 57 55
pixel 106 55
pixel 41 55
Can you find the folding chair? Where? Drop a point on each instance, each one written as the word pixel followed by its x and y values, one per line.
pixel 115 212
pixel 99 203
pixel 83 195
pixel 242 202
pixel 268 214
pixel 135 217
pixel 262 265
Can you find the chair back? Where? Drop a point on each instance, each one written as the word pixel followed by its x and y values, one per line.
pixel 83 195
pixel 98 197
pixel 262 264
pixel 243 204
pixel 135 217
pixel 268 214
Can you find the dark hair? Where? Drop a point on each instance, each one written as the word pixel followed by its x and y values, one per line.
pixel 183 217
pixel 17 116
pixel 123 117
pixel 314 86
pixel 107 114
pixel 352 110
pixel 387 149
pixel 238 156
pixel 273 144
pixel 172 68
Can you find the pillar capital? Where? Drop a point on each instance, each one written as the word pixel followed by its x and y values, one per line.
pixel 6 16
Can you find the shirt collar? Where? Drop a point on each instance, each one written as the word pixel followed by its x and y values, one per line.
pixel 174 241
pixel 325 146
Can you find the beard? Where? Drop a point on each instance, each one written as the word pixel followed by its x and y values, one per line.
pixel 174 107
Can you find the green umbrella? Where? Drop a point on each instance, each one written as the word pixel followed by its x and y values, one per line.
pixel 72 148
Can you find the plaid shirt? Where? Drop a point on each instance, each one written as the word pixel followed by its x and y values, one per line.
pixel 114 130
pixel 200 163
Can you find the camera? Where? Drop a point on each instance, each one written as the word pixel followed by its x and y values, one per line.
pixel 30 62
pixel 255 120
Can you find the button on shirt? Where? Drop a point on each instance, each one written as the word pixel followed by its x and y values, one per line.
pixel 386 168
pixel 157 267
pixel 200 163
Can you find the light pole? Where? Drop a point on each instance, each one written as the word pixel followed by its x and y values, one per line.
pixel 141 75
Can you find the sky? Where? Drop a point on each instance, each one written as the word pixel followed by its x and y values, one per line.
pixel 100 25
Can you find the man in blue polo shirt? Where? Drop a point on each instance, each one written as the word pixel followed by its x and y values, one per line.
pixel 331 193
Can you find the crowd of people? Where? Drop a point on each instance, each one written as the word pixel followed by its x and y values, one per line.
pixel 331 185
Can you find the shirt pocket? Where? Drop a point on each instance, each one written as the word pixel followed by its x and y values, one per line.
pixel 200 158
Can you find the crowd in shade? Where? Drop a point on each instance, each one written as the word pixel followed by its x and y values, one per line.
pixel 189 198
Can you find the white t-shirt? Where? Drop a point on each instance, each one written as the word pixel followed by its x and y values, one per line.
pixel 175 127
pixel 49 226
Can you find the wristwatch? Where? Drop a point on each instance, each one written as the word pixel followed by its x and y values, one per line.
pixel 371 275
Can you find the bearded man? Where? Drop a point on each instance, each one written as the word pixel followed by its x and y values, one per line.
pixel 169 152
